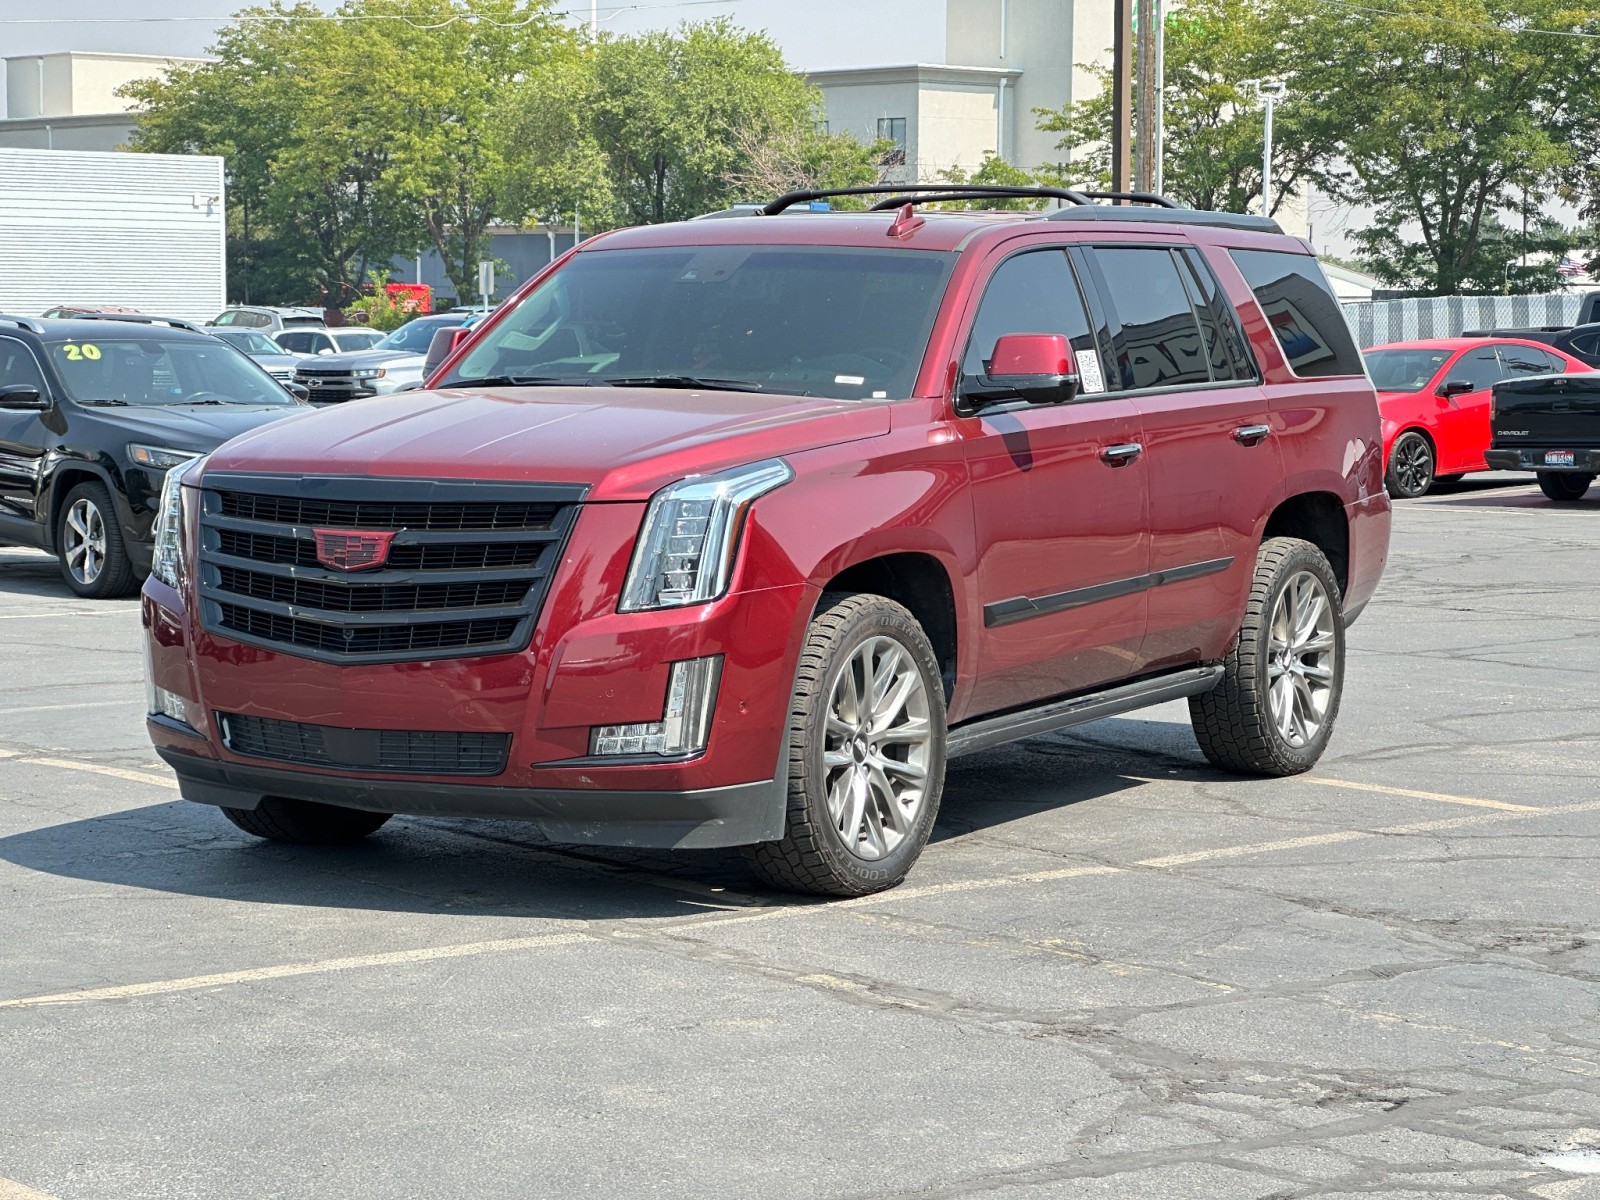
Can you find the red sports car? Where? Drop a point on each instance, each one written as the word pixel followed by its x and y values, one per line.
pixel 1434 397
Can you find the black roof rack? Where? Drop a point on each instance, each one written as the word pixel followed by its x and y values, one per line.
pixel 140 319
pixel 1081 205
pixel 29 323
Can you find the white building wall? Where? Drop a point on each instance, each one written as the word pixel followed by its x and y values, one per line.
pixel 957 127
pixel 144 230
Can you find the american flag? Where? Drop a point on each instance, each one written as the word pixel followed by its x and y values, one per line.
pixel 1569 266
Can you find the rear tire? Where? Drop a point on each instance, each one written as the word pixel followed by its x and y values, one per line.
pixel 1411 466
pixel 1274 710
pixel 94 561
pixel 305 822
pixel 866 752
pixel 1564 486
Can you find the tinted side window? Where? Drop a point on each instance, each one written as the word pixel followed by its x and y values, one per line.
pixel 1586 343
pixel 1302 310
pixel 296 343
pixel 1518 362
pixel 1229 353
pixel 1480 368
pixel 17 365
pixel 1034 292
pixel 1161 343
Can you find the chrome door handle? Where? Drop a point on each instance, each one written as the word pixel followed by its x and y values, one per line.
pixel 1121 455
pixel 1251 435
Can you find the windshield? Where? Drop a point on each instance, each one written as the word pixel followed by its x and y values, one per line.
pixel 355 339
pixel 249 341
pixel 1404 370
pixel 415 336
pixel 158 371
pixel 842 322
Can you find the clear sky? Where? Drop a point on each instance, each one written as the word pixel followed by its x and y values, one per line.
pixel 813 33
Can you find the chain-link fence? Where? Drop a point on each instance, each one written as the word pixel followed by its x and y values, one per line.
pixel 1375 322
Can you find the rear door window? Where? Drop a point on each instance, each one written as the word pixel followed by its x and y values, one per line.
pixel 1034 292
pixel 1302 310
pixel 1519 362
pixel 1161 344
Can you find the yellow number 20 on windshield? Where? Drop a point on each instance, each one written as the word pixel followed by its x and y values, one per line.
pixel 76 353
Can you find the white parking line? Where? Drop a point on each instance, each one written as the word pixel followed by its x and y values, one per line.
pixel 34 708
pixel 1385 789
pixel 287 970
pixel 10 1189
pixel 70 764
pixel 68 612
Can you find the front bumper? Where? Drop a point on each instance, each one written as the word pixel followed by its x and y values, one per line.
pixel 703 818
pixel 1531 458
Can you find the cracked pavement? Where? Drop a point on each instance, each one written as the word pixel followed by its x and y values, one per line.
pixel 1117 973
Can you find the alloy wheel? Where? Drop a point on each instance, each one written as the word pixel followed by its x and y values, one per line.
pixel 84 541
pixel 1413 465
pixel 876 749
pixel 1300 661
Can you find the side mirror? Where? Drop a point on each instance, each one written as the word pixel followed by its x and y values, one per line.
pixel 1455 387
pixel 1039 368
pixel 443 345
pixel 298 390
pixel 22 397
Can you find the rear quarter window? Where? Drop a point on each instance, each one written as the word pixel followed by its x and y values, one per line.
pixel 1302 310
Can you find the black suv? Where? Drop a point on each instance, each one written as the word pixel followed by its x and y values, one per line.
pixel 93 413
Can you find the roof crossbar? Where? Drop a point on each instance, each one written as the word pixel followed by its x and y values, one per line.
pixel 141 319
pixel 28 323
pixel 905 193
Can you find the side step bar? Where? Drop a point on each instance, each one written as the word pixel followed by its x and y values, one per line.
pixel 1061 714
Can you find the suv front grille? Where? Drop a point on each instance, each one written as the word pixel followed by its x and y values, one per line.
pixel 413 752
pixel 466 572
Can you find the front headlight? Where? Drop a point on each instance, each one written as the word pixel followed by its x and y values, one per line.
pixel 691 534
pixel 166 562
pixel 368 373
pixel 158 458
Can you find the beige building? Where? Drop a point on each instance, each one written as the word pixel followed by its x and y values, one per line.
pixel 69 101
pixel 1002 59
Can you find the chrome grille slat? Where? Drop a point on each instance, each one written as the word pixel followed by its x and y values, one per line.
pixel 467 579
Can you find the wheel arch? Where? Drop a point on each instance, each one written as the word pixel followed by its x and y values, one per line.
pixel 1318 518
pixel 63 480
pixel 920 583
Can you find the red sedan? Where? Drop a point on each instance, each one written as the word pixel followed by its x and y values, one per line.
pixel 1434 397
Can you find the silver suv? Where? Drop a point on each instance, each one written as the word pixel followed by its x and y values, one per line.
pixel 267 318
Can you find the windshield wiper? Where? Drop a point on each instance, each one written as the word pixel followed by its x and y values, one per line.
pixel 685 381
pixel 526 381
pixel 106 403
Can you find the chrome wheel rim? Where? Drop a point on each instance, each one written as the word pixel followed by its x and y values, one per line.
pixel 84 542
pixel 876 748
pixel 1413 465
pixel 1300 663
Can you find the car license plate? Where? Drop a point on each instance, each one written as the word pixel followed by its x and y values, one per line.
pixel 1558 458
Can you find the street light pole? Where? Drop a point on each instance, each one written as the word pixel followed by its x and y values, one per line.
pixel 1271 91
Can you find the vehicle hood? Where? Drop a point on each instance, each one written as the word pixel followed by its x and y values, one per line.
pixel 354 360
pixel 200 428
pixel 624 443
pixel 269 361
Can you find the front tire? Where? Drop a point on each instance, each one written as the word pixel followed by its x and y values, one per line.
pixel 305 822
pixel 94 561
pixel 1411 466
pixel 1273 712
pixel 866 752
pixel 1564 486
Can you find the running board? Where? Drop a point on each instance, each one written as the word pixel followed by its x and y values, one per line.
pixel 1061 714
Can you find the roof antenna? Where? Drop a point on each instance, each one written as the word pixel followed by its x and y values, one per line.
pixel 906 222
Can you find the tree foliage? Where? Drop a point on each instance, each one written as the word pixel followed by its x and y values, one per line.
pixel 1448 114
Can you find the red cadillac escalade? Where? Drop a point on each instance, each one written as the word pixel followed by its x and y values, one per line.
pixel 735 531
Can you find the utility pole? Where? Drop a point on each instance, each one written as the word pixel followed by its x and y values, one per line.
pixel 1271 92
pixel 1147 99
pixel 1158 180
pixel 1121 95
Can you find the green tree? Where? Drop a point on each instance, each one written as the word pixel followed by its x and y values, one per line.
pixel 669 112
pixel 1211 149
pixel 1448 115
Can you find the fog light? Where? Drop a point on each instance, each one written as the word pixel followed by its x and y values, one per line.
pixel 685 725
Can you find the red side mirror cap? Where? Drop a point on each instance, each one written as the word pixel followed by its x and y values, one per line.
pixel 1032 354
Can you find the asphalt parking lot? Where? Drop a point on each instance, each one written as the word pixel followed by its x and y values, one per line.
pixel 1116 972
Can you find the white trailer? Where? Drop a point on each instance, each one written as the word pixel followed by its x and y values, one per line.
pixel 142 230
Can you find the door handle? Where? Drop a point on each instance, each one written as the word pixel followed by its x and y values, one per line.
pixel 1121 455
pixel 1251 435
